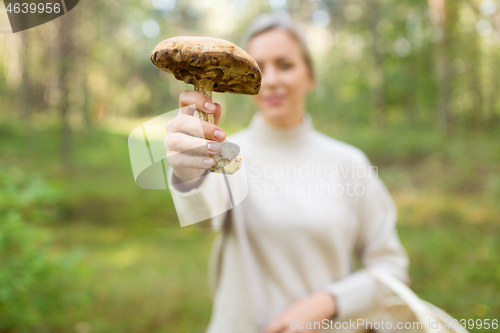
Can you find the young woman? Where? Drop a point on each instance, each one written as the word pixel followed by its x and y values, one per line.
pixel 284 258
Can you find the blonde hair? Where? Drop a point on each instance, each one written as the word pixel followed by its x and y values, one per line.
pixel 282 21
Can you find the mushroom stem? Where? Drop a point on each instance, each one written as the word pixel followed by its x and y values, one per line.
pixel 205 87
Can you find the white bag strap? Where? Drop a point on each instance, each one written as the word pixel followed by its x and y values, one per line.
pixel 418 307
pixel 422 311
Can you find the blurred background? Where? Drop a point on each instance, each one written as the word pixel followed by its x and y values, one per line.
pixel 415 84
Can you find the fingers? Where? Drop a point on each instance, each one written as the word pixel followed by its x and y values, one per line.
pixel 195 127
pixel 217 113
pixel 189 161
pixel 189 137
pixel 180 142
pixel 201 102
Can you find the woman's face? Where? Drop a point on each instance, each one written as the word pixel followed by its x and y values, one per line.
pixel 285 77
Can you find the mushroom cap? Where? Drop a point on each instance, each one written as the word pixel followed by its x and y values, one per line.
pixel 192 59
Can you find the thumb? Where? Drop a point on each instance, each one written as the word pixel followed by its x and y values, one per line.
pixel 217 113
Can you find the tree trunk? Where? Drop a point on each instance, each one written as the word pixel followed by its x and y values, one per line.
pixel 448 12
pixel 64 50
pixel 25 91
pixel 378 80
pixel 87 104
pixel 411 90
pixel 495 85
pixel 475 82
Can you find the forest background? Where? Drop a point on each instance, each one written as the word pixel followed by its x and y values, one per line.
pixel 415 84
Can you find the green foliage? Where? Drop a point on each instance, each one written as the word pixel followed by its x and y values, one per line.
pixel 35 285
pixel 145 274
pixel 390 59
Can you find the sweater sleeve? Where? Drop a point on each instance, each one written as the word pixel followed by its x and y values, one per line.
pixel 210 200
pixel 377 246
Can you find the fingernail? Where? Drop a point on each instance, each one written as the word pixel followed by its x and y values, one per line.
pixel 207 162
pixel 214 146
pixel 219 134
pixel 209 106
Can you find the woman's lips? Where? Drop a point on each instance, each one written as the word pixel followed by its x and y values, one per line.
pixel 274 100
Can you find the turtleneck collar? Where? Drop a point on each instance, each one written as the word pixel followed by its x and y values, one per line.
pixel 262 130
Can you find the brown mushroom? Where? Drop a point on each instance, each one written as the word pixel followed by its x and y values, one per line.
pixel 211 64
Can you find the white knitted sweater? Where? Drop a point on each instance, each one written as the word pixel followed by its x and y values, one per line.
pixel 305 206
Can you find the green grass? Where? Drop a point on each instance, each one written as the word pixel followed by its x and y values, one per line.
pixel 141 279
pixel 144 273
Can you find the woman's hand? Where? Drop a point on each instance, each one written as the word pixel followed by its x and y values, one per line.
pixel 190 140
pixel 311 309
